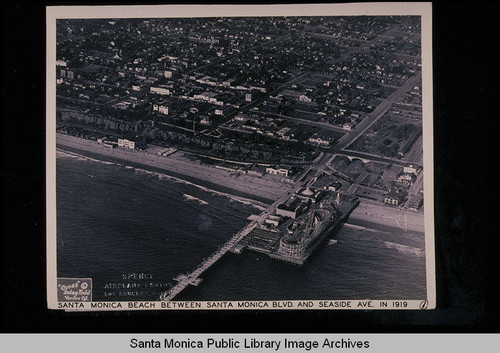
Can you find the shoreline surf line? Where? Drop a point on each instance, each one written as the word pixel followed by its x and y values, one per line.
pixel 255 201
pixel 262 189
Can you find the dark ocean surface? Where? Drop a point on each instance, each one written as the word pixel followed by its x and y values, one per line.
pixel 133 231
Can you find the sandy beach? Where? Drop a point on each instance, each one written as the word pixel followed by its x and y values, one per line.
pixel 259 188
pixel 382 217
pixel 262 189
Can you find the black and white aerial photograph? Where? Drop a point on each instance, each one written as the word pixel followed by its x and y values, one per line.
pixel 263 161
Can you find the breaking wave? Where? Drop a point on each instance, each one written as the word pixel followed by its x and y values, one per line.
pixel 357 227
pixel 405 249
pixel 161 176
pixel 188 197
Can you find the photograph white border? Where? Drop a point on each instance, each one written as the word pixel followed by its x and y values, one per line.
pixel 184 11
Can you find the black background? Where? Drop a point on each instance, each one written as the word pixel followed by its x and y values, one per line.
pixel 465 41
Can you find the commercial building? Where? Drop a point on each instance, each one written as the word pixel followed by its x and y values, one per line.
pixel 290 209
pixel 273 220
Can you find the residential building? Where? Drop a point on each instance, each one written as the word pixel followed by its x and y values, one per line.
pixel 160 90
pixel 162 109
pixel 393 197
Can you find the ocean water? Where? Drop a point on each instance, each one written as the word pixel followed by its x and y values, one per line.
pixel 133 231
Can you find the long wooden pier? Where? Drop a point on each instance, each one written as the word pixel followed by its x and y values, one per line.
pixel 194 279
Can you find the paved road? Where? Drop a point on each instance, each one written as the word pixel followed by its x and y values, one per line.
pixel 416 153
pixel 321 125
pixel 354 186
pixel 379 111
pixel 415 188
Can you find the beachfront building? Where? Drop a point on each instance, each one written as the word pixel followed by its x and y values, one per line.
pixel 278 171
pixel 107 142
pixel 126 143
pixel 273 220
pixel 309 195
pixel 256 170
pixel 290 208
